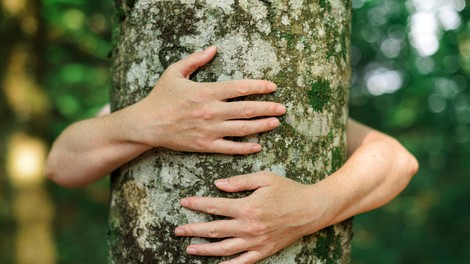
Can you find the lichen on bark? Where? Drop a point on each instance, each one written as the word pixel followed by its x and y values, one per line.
pixel 298 44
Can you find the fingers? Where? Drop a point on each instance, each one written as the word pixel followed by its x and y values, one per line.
pixel 247 182
pixel 241 128
pixel 225 247
pixel 249 109
pixel 224 146
pixel 246 258
pixel 210 205
pixel 185 67
pixel 215 229
pixel 233 89
pixel 224 90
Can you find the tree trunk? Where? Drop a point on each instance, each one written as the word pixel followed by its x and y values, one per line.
pixel 301 45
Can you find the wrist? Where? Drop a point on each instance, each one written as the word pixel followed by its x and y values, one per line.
pixel 125 127
pixel 324 205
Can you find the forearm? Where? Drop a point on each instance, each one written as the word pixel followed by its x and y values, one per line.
pixel 91 149
pixel 376 172
pixel 281 210
pixel 285 210
pixel 178 114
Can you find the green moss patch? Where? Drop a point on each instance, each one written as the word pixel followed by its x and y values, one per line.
pixel 319 94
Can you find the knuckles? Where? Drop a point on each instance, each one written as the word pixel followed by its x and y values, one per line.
pixel 242 89
pixel 201 142
pixel 213 233
pixel 243 130
pixel 270 247
pixel 226 250
pixel 256 229
pixel 248 111
pixel 212 209
pixel 204 113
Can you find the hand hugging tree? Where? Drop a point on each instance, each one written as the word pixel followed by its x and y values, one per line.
pixel 303 47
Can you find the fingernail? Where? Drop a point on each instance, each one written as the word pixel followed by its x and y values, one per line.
pixel 179 231
pixel 184 202
pixel 256 148
pixel 191 250
pixel 221 182
pixel 272 86
pixel 280 109
pixel 274 123
pixel 209 49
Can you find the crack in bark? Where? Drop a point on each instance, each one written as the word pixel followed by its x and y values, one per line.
pixel 266 2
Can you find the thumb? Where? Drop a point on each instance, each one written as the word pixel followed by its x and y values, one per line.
pixel 185 67
pixel 246 182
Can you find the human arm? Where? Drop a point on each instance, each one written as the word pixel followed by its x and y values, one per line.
pixel 280 211
pixel 178 114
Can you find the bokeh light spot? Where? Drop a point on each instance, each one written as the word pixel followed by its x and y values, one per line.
pixel 424 65
pixel 382 80
pixel 391 47
pixel 429 18
pixel 437 103
pixel 73 19
pixel 26 156
pixel 356 4
pixel 449 18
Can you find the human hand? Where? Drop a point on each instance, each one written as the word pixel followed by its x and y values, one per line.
pixel 276 214
pixel 183 115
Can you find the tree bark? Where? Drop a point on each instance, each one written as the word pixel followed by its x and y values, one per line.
pixel 301 45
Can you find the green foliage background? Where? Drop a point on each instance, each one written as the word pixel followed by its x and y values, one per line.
pixel 428 222
pixel 77 82
pixel 429 114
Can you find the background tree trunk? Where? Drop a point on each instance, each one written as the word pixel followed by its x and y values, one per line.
pixel 302 45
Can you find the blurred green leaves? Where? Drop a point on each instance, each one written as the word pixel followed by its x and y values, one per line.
pixel 77 80
pixel 427 42
pixel 78 47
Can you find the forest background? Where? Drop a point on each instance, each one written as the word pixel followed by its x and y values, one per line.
pixel 411 66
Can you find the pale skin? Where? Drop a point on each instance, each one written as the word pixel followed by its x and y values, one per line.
pixel 178 114
pixel 280 210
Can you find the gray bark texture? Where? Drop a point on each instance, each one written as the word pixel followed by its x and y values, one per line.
pixel 301 45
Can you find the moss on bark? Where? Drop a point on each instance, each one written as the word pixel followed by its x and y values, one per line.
pixel 300 45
